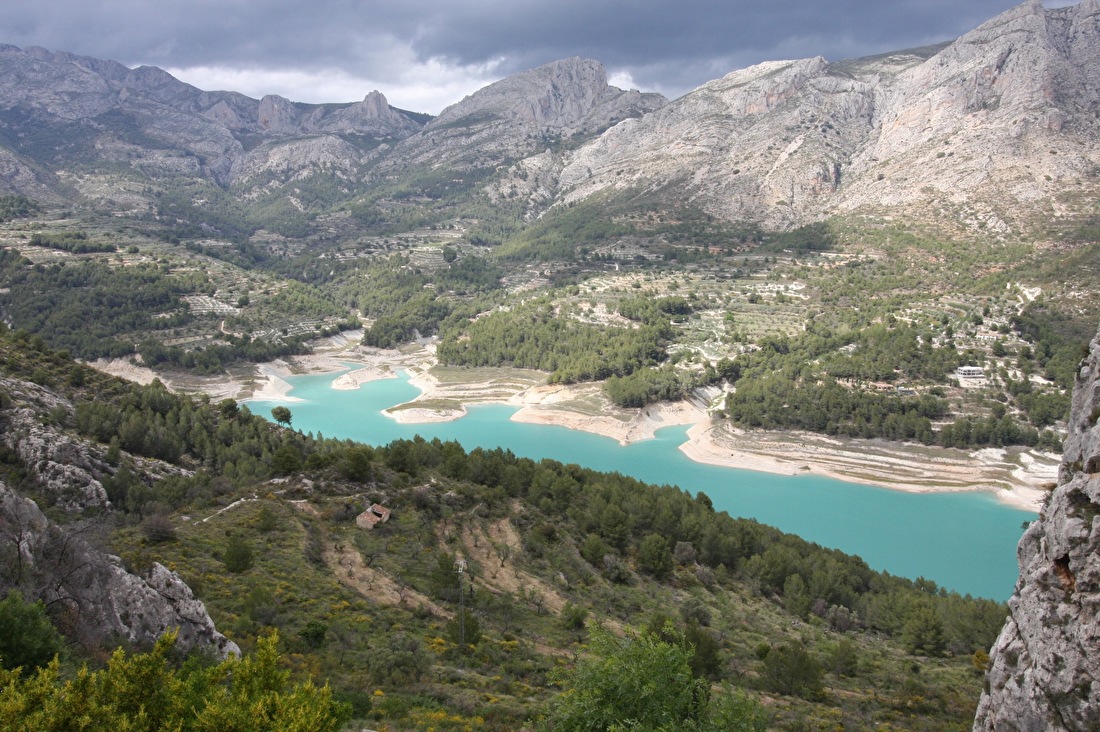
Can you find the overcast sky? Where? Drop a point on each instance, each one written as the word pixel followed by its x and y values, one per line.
pixel 426 54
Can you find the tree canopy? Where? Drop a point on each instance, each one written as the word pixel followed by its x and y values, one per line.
pixel 645 683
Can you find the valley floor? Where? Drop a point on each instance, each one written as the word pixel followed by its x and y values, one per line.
pixel 1016 476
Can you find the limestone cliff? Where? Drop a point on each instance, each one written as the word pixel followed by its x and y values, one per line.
pixel 90 594
pixel 521 115
pixel 79 87
pixel 66 471
pixel 996 131
pixel 994 134
pixel 1045 667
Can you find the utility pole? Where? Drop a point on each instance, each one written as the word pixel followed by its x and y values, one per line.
pixel 460 569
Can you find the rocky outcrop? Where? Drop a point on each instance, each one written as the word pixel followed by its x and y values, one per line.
pixel 67 471
pixel 373 116
pixel 77 87
pixel 20 175
pixel 295 158
pixel 90 593
pixel 1044 669
pixel 533 180
pixel 996 124
pixel 756 144
pixel 562 97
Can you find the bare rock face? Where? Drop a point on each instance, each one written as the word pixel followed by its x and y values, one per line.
pixel 67 470
pixel 996 133
pixel 985 131
pixel 295 158
pixel 19 176
pixel 308 140
pixel 373 115
pixel 36 79
pixel 534 180
pixel 567 96
pixel 756 144
pixel 998 123
pixel 275 113
pixel 1045 666
pixel 92 592
pixel 519 115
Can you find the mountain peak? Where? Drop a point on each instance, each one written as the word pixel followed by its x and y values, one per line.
pixel 558 96
pixel 519 115
pixel 512 95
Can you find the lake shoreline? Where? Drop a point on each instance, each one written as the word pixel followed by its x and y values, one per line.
pixel 1015 477
pixel 1018 478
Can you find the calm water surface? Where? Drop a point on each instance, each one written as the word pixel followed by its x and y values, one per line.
pixel 963 541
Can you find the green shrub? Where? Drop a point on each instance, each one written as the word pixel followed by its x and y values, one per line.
pixel 27 638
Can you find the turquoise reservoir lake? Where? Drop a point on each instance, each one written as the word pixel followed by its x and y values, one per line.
pixel 963 541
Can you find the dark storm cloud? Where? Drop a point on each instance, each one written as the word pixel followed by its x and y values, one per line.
pixel 644 31
pixel 669 45
pixel 678 45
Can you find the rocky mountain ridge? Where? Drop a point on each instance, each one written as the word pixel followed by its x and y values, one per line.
pixel 57 108
pixel 997 132
pixel 990 129
pixel 101 85
pixel 521 114
pixel 1044 667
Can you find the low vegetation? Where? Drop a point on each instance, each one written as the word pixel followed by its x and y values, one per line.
pixel 146 691
pixel 15 207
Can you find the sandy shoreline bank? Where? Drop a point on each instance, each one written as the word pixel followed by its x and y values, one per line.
pixel 551 405
pixel 1016 477
pixel 354 379
pixel 274 387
